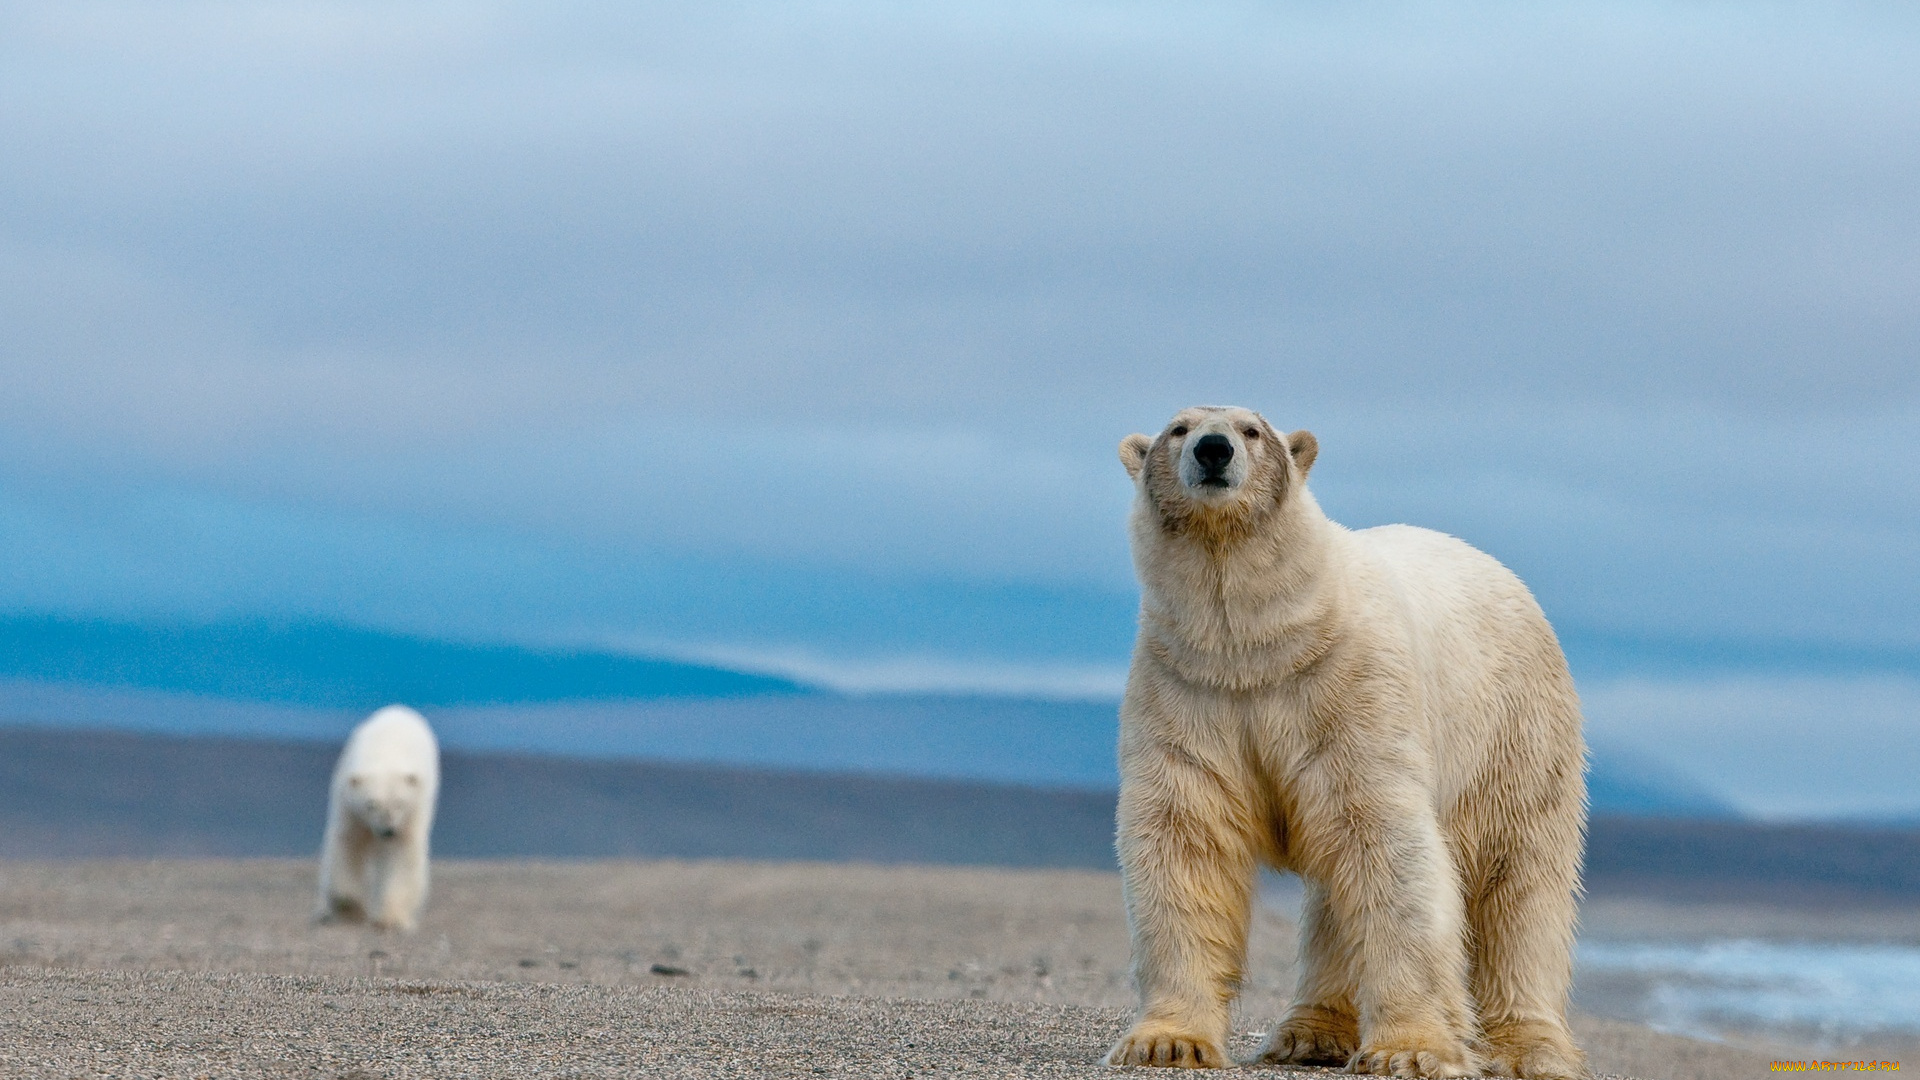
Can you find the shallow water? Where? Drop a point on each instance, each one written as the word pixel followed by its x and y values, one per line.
pixel 1830 994
pixel 1824 996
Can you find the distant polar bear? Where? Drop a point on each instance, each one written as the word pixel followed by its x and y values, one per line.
pixel 1385 712
pixel 373 861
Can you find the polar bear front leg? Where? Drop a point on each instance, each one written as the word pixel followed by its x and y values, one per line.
pixel 1188 871
pixel 1391 888
pixel 343 873
pixel 1320 1028
pixel 400 885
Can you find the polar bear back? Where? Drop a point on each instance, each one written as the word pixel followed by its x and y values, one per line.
pixel 1490 670
pixel 394 741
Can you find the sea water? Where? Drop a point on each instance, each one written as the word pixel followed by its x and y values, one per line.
pixel 1834 993
pixel 1824 995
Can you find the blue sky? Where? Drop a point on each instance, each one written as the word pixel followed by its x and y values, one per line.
pixel 800 336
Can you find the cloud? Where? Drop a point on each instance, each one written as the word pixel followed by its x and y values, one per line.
pixel 864 295
pixel 1391 203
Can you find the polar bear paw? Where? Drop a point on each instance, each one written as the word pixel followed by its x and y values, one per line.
pixel 1534 1050
pixel 1312 1035
pixel 1430 1058
pixel 340 909
pixel 1153 1043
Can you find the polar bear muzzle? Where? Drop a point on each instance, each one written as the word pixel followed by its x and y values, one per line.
pixel 1214 454
pixel 1215 459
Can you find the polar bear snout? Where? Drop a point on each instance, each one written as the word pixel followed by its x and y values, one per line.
pixel 1213 453
pixel 382 819
pixel 1214 461
pixel 385 805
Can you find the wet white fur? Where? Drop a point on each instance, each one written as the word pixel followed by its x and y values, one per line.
pixel 373 860
pixel 1385 712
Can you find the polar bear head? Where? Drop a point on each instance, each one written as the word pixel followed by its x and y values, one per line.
pixel 1216 472
pixel 385 802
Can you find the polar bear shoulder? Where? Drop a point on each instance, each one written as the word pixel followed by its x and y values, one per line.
pixel 1450 594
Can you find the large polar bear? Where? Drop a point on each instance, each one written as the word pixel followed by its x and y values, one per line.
pixel 373 861
pixel 1386 713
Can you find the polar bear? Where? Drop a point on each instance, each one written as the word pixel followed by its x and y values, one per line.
pixel 373 860
pixel 1384 712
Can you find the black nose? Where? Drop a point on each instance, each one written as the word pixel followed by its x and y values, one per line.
pixel 1213 452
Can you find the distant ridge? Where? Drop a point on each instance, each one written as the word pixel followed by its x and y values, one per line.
pixel 72 794
pixel 1006 740
pixel 1623 784
pixel 323 664
pixel 1597 653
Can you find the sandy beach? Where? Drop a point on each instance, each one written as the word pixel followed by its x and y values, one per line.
pixel 212 968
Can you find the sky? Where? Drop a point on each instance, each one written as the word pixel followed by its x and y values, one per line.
pixel 799 337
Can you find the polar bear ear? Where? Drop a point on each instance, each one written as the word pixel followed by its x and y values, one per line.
pixel 1133 453
pixel 1304 448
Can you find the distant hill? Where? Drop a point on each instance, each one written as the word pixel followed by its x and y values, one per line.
pixel 312 680
pixel 92 794
pixel 1622 784
pixel 1052 743
pixel 1596 653
pixel 320 664
pixel 1061 744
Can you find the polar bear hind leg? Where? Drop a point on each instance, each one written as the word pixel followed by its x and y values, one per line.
pixel 1522 926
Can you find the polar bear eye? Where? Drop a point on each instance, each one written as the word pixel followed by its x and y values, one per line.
pixel 1253 433
pixel 1178 430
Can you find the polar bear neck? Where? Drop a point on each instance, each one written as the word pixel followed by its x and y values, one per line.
pixel 1237 616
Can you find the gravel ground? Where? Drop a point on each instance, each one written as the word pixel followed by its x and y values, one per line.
pixel 211 968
